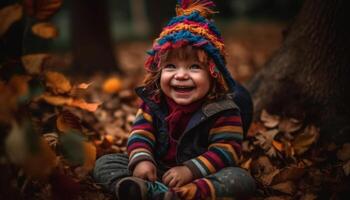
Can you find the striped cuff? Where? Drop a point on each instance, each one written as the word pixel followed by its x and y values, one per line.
pixel 138 157
pixel 197 170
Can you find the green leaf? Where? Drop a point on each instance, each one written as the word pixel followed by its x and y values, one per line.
pixel 72 147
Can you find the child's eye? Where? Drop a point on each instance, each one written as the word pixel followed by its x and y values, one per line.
pixel 169 66
pixel 195 66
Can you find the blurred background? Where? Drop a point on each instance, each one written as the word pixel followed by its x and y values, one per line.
pixel 112 36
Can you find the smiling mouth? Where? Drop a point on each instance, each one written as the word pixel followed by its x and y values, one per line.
pixel 183 89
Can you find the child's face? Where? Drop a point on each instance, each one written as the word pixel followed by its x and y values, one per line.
pixel 185 80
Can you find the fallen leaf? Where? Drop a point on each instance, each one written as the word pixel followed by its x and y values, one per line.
pixel 246 164
pixel 287 187
pixel 8 16
pixel 344 153
pixel 278 198
pixel 277 145
pixel 309 196
pixel 41 9
pixel 51 139
pixel 67 121
pixel 346 168
pixel 90 156
pixel 304 140
pixel 112 85
pixel 269 120
pixel 16 144
pixel 41 164
pixel 80 103
pixel 84 85
pixel 266 179
pixel 289 173
pixel 289 125
pixel 255 128
pixel 57 82
pixel 61 101
pixel 45 30
pixel 33 63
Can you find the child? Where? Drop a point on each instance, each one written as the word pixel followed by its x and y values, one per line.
pixel 186 138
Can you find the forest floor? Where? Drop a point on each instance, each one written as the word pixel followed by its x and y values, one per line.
pixel 285 156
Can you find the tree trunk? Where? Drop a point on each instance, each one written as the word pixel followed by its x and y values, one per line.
pixel 309 76
pixel 92 44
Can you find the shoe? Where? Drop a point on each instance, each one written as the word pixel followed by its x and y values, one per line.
pixel 131 188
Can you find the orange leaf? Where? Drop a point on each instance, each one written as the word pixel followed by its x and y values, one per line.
pixel 57 82
pixel 45 30
pixel 80 103
pixel 61 101
pixel 41 9
pixel 9 15
pixel 41 164
pixel 289 125
pixel 33 63
pixel 277 145
pixel 303 141
pixel 112 85
pixel 67 121
pixel 84 85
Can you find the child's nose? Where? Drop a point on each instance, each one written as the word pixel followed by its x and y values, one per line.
pixel 181 74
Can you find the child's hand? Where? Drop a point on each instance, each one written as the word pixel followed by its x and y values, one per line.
pixel 145 170
pixel 177 176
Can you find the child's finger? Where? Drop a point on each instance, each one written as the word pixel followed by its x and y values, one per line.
pixel 166 179
pixel 172 182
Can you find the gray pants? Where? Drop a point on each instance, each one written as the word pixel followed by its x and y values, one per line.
pixel 228 182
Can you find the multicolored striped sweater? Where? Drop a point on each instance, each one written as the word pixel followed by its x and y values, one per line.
pixel 224 147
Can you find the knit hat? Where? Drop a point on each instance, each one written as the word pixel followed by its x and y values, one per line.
pixel 192 26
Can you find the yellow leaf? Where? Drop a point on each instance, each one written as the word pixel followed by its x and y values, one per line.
pixel 57 82
pixel 304 140
pixel 33 63
pixel 41 164
pixel 67 121
pixel 45 30
pixel 9 15
pixel 112 85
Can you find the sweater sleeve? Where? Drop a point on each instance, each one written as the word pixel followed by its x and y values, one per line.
pixel 141 140
pixel 224 150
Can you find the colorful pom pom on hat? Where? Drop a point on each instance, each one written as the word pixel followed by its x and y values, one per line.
pixel 192 26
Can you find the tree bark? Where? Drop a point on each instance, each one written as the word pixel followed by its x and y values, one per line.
pixel 92 44
pixel 308 78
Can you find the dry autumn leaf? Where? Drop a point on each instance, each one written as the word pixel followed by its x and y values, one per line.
pixel 33 63
pixel 89 159
pixel 45 30
pixel 41 9
pixel 67 121
pixel 344 153
pixel 41 164
pixel 112 85
pixel 16 144
pixel 68 101
pixel 304 140
pixel 346 168
pixel 269 120
pixel 8 16
pixel 265 139
pixel 287 187
pixel 57 82
pixel 289 125
pixel 292 173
